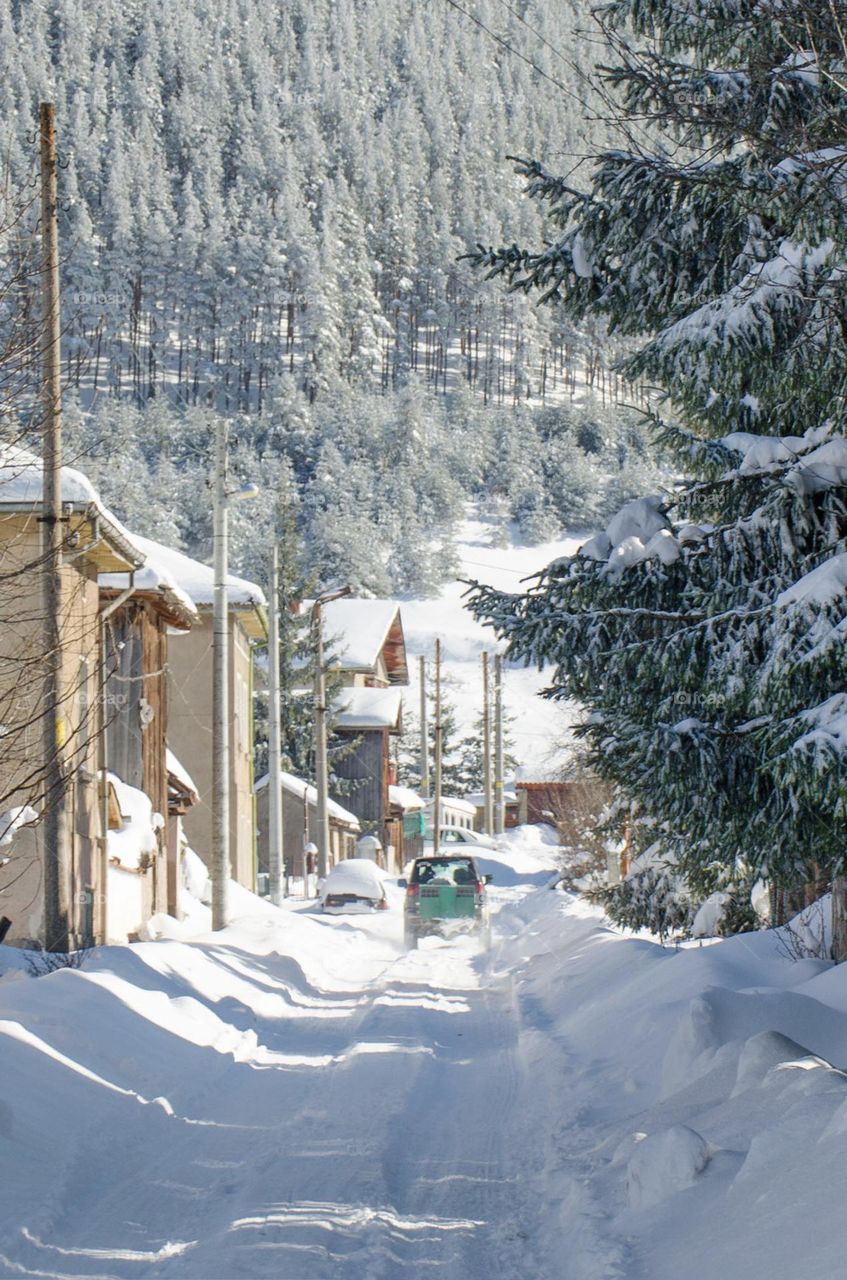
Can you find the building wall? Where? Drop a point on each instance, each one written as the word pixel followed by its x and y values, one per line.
pixel 294 820
pixel 572 807
pixel 21 765
pixel 136 715
pixel 365 768
pixel 190 738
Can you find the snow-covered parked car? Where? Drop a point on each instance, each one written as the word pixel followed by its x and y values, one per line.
pixel 460 837
pixel 354 885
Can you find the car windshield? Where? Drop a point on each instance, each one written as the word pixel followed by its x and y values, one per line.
pixel 444 871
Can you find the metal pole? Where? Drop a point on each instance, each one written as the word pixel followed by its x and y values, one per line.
pixel 436 803
pixel 488 809
pixel 424 732
pixel 321 764
pixel 220 689
pixel 276 859
pixel 57 835
pixel 499 794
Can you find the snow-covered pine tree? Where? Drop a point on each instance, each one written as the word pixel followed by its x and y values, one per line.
pixel 703 629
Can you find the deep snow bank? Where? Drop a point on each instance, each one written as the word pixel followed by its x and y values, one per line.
pixel 707 1089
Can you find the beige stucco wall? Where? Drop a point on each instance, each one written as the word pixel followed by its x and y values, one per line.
pixel 190 738
pixel 21 768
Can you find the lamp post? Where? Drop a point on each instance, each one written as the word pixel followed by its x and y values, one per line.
pixel 220 867
pixel 321 762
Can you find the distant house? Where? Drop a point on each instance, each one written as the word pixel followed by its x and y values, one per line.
pixel 369 719
pixel 190 702
pixel 455 812
pixel 367 649
pixel 94 543
pixel 511 808
pixel 299 821
pixel 572 805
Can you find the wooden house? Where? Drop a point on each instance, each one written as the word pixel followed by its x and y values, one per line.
pixel 94 543
pixel 190 702
pixel 138 630
pixel 572 805
pixel 366 651
pixel 299 824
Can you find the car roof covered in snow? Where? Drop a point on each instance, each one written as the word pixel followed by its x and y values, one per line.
pixel 354 875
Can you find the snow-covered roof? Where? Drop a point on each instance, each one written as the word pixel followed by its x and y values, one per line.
pixel 367 709
pixel 197 580
pixel 179 772
pixel 154 578
pixel 354 875
pixel 406 798
pixel 477 798
pixel 22 490
pixel 295 786
pixel 453 802
pixel 357 632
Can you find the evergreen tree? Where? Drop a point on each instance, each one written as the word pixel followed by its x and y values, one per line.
pixel 701 628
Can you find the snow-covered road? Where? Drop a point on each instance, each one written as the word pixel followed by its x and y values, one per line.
pixel 298 1098
pixel 218 1109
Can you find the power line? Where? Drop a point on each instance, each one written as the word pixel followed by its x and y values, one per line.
pixel 538 35
pixel 517 53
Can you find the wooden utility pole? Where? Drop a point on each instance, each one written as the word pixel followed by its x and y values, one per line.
pixel 57 828
pixel 424 731
pixel 499 794
pixel 436 801
pixel 488 811
pixel 275 826
pixel 220 868
pixel 321 763
pixel 839 919
pixel 321 716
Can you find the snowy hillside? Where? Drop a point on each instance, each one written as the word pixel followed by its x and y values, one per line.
pixel 540 729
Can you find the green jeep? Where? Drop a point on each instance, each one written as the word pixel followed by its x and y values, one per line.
pixel 445 895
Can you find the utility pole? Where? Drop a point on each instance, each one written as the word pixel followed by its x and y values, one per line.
pixel 321 761
pixel 57 833
pixel 499 794
pixel 436 802
pixel 424 732
pixel 221 869
pixel 275 827
pixel 488 811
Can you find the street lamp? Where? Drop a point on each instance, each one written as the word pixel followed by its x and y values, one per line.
pixel 321 763
pixel 221 867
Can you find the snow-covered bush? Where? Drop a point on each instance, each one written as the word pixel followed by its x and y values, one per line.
pixel 655 899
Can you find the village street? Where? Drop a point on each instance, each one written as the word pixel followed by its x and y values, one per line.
pixel 219 1109
pixel 300 1098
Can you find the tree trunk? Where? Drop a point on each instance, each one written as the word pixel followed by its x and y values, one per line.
pixel 839 919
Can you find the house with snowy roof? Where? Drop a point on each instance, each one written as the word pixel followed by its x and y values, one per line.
pixel 300 824
pixel 366 649
pixel 94 542
pixel 190 701
pixel 141 616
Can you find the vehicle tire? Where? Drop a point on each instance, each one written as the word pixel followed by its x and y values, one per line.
pixel 411 938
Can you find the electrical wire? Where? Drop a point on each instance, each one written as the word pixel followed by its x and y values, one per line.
pixel 517 53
